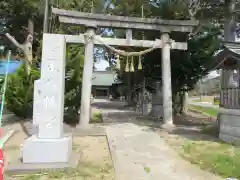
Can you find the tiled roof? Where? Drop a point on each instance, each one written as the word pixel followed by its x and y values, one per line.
pixel 231 49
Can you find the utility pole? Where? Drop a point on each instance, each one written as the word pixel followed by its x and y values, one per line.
pixel 46 17
pixel 230 21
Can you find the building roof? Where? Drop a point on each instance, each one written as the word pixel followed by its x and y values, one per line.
pixel 230 50
pixel 104 78
pixel 100 78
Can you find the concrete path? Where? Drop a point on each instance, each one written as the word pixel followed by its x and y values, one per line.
pixel 139 153
pixel 203 104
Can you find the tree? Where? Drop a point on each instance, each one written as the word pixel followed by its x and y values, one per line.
pixel 191 64
pixel 73 82
pixel 187 67
pixel 20 17
pixel 18 100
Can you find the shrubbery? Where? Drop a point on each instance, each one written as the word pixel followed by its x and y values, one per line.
pixel 19 92
pixel 97 117
pixel 73 83
pixel 20 87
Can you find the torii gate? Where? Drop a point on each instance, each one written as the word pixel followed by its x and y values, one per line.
pixel 92 21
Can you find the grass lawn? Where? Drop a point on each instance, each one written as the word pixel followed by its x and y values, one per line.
pixel 208 153
pixel 208 110
pixel 203 148
pixel 217 157
pixel 83 172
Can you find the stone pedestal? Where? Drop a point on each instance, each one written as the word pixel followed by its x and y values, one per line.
pixel 57 150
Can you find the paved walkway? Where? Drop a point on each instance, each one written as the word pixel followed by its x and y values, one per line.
pixel 140 154
pixel 203 104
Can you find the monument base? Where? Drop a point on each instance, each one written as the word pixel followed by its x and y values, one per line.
pixel 168 126
pixel 229 125
pixel 18 167
pixel 37 150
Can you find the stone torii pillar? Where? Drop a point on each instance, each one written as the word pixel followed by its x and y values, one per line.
pixel 87 79
pixel 166 79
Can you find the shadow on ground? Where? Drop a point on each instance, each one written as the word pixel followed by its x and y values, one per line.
pixel 111 105
pixel 187 126
pixel 186 129
pixel 117 112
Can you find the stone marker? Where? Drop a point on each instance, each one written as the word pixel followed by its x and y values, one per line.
pixel 144 106
pixel 157 102
pixel 49 107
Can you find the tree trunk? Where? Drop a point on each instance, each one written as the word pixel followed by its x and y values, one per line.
pixel 201 90
pixel 177 103
pixel 26 47
pixel 185 102
pixel 30 27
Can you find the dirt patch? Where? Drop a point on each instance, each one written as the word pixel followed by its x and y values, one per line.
pixel 95 162
pixel 193 119
pixel 189 127
pixel 12 146
pixel 95 153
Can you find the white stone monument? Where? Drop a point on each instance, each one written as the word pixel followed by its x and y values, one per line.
pixel 49 107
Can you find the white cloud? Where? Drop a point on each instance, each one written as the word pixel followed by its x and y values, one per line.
pixel 101 65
